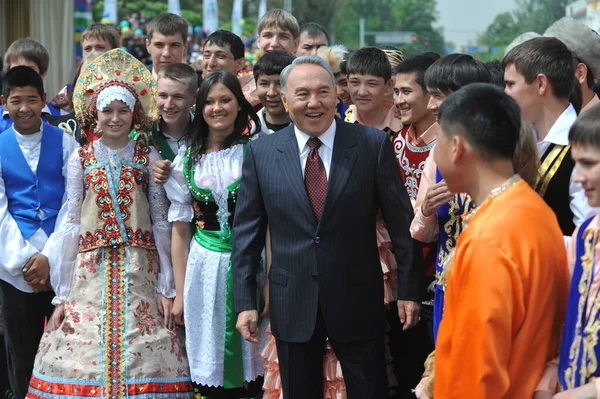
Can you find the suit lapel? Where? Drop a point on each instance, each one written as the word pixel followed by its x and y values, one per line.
pixel 289 165
pixel 342 162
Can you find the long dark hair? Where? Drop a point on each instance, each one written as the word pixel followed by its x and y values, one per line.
pixel 243 122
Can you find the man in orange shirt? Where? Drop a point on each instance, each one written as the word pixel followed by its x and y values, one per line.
pixel 507 285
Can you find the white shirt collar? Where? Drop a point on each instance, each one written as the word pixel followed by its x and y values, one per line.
pixel 326 138
pixel 29 138
pixel 559 132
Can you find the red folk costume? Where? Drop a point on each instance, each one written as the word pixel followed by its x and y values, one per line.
pixel 411 154
pixel 110 258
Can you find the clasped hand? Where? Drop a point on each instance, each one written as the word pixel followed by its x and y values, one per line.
pixel 36 273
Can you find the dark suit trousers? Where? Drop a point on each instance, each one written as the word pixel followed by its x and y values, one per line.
pixel 363 365
pixel 24 317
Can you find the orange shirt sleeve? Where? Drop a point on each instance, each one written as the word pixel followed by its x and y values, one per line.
pixel 482 306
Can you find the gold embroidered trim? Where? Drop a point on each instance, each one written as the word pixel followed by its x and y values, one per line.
pixel 550 167
pixel 589 362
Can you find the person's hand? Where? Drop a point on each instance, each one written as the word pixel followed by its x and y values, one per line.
pixel 58 316
pixel 266 309
pixel 177 310
pixel 161 171
pixel 542 395
pixel 165 306
pixel 36 273
pixel 436 196
pixel 408 311
pixel 587 391
pixel 61 101
pixel 420 389
pixel 247 325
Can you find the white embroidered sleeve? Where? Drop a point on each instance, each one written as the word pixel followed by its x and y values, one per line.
pixel 62 246
pixel 161 228
pixel 181 209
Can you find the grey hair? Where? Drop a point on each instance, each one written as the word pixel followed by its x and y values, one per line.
pixel 305 59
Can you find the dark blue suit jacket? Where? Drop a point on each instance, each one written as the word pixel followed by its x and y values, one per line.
pixel 334 262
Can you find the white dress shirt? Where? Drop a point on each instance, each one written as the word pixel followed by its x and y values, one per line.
pixel 559 134
pixel 15 250
pixel 325 151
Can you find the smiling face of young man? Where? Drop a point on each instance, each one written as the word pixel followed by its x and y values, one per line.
pixel 174 100
pixel 274 38
pixel 217 58
pixel 268 90
pixel 411 100
pixel 587 171
pixel 24 105
pixel 310 99
pixel 368 92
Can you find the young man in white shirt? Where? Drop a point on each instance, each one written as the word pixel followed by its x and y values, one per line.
pixel 33 173
pixel 539 76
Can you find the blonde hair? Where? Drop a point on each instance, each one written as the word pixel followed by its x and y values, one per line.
pixel 525 160
pixel 101 31
pixel 182 73
pixel 334 56
pixel 281 19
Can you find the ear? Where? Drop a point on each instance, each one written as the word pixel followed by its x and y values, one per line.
pixel 296 43
pixel 44 98
pixel 185 46
pixel 285 102
pixel 389 87
pixel 258 44
pixel 2 100
pixel 458 148
pixel 581 73
pixel 147 44
pixel 542 84
pixel 239 65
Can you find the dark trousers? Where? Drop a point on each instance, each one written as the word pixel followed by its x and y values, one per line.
pixel 24 318
pixel 363 366
pixel 252 389
pixel 409 349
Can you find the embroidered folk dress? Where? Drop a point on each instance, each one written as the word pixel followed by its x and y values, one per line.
pixel 203 192
pixel 106 268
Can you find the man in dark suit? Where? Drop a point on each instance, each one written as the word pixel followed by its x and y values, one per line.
pixel 319 184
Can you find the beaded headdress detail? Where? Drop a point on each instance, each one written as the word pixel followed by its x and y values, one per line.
pixel 116 68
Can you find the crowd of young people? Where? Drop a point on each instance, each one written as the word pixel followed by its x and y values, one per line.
pixel 135 203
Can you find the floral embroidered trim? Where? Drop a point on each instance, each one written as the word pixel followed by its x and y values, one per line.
pixel 39 388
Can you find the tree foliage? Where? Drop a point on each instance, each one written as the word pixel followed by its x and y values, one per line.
pixel 530 16
pixel 340 17
pixel 418 16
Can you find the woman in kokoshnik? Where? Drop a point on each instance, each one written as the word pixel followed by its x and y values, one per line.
pixel 203 187
pixel 112 334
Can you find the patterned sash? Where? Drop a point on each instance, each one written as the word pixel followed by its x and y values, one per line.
pixel 578 360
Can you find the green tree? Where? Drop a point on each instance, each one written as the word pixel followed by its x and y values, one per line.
pixel 530 16
pixel 418 16
pixel 538 15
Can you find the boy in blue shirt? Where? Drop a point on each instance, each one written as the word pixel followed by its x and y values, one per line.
pixel 33 173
